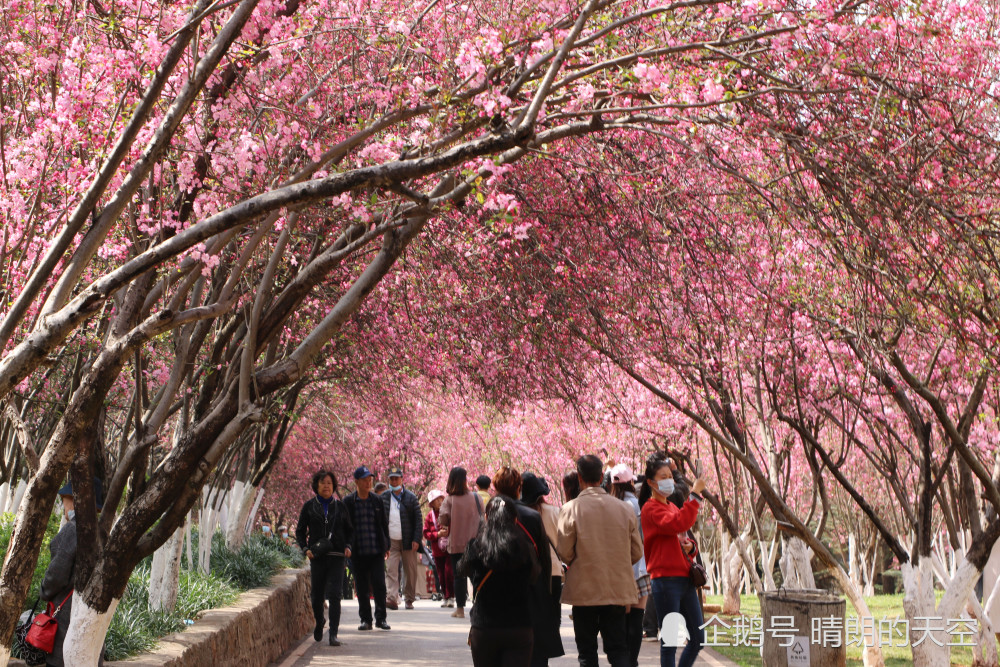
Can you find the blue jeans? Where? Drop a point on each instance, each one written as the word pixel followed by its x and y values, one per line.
pixel 673 595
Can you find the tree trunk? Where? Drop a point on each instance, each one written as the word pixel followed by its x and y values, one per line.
pixel 15 500
pixel 87 629
pixel 206 529
pixel 919 601
pixel 991 591
pixel 243 501
pixel 872 656
pixel 164 576
pixel 223 513
pixel 731 565
pixel 253 513
pixel 984 648
pixel 869 590
pixel 853 560
pixel 796 568
pixel 187 541
pixel 772 557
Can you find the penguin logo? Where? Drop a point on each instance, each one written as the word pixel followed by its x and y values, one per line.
pixel 674 630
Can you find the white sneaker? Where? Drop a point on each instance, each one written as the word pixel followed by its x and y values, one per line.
pixel 451 602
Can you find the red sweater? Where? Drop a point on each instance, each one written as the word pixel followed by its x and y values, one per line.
pixel 431 534
pixel 662 524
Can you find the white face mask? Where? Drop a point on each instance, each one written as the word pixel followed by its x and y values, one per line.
pixel 665 486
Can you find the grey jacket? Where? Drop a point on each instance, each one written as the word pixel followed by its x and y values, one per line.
pixel 58 583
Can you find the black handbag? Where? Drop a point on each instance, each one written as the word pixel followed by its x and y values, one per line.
pixel 322 547
pixel 697 574
pixel 20 647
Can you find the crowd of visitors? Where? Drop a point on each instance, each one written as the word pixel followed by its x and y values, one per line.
pixel 621 543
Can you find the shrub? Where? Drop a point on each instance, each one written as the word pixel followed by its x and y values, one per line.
pixel 135 628
pixel 251 565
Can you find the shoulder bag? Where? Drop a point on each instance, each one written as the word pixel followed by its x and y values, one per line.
pixel 324 545
pixel 21 648
pixel 696 571
pixel 42 633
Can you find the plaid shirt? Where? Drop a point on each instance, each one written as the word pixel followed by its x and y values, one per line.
pixel 366 533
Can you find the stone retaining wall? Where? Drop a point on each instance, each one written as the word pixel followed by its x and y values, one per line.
pixel 254 632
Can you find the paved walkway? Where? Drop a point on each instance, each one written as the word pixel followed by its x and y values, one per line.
pixel 428 636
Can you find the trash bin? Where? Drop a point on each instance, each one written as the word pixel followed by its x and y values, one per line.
pixel 803 628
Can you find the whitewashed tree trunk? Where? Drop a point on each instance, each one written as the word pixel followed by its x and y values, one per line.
pixel 241 500
pixel 796 568
pixel 4 496
pixel 872 655
pixel 772 557
pixel 984 649
pixel 253 513
pixel 853 560
pixel 919 601
pixel 187 541
pixel 239 496
pixel 991 588
pixel 869 590
pixel 206 528
pixel 709 564
pixel 165 573
pixel 15 502
pixel 731 566
pixel 87 630
pixel 223 511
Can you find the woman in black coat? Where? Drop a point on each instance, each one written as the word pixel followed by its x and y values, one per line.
pixel 324 533
pixel 502 564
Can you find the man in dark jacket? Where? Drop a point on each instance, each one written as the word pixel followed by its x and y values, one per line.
pixel 371 542
pixel 57 584
pixel 406 524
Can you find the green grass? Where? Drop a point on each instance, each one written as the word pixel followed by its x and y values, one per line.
pixel 880 606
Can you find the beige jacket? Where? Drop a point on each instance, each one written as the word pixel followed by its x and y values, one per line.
pixel 550 519
pixel 598 537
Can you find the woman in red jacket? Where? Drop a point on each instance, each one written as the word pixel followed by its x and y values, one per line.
pixel 439 548
pixel 663 526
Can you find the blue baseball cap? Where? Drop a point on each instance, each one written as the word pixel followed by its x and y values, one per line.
pixel 67 490
pixel 361 472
